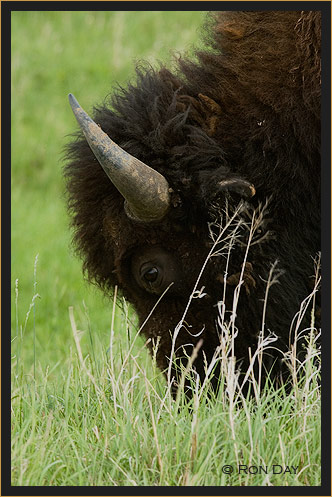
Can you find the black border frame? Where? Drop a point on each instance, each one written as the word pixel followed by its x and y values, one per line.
pixel 11 6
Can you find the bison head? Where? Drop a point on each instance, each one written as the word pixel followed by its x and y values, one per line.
pixel 202 191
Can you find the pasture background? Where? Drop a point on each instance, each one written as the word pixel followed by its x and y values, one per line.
pixel 53 54
pixel 109 428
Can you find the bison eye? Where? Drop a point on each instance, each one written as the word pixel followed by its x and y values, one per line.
pixel 151 274
pixel 155 269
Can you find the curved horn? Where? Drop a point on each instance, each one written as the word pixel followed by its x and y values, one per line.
pixel 146 191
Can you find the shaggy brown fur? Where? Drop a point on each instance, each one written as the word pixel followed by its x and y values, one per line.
pixel 248 107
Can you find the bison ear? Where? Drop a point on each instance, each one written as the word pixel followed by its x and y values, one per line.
pixel 214 185
pixel 237 185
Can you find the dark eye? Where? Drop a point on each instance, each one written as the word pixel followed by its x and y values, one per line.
pixel 151 274
pixel 154 270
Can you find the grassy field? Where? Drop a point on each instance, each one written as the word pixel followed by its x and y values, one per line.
pixel 89 406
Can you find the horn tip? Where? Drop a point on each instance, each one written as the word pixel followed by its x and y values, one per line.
pixel 73 102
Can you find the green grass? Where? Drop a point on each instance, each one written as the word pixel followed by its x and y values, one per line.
pixel 85 413
pixel 103 416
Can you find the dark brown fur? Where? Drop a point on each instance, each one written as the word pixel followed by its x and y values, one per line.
pixel 249 107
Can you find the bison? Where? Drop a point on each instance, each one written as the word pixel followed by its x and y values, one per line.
pixel 197 188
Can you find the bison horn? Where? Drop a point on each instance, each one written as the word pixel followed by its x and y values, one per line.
pixel 146 191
